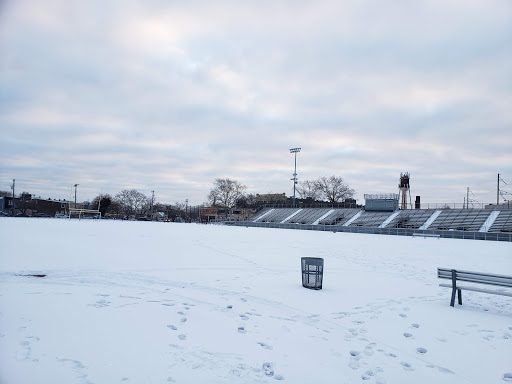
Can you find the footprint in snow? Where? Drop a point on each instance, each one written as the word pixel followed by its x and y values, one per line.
pixel 241 330
pixel 415 325
pixel 368 350
pixel 267 369
pixel 367 375
pixel 421 351
pixel 445 370
pixel 407 335
pixel 507 376
pixel 244 317
pixel 402 315
pixel 406 366
pixel 355 356
pixel 183 320
pixel 173 327
pixel 266 346
pixel 182 336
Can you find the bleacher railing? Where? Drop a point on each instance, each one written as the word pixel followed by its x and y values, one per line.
pixel 447 234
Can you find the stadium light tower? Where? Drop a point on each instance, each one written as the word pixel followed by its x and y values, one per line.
pixel 294 150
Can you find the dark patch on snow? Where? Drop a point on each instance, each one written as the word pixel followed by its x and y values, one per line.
pixel 32 275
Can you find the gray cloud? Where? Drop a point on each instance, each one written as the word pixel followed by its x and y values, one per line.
pixel 168 97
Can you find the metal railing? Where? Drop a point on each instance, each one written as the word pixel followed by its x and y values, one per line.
pixel 447 234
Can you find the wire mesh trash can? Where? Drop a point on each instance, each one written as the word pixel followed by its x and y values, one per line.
pixel 312 272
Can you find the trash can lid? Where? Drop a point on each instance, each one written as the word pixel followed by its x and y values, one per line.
pixel 313 260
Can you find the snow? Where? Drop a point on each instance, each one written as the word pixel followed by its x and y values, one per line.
pixel 146 302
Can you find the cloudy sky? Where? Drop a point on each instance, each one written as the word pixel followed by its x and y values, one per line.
pixel 170 95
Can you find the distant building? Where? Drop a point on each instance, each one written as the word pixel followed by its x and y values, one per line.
pixel 27 206
pixel 382 202
pixel 209 214
pixel 269 198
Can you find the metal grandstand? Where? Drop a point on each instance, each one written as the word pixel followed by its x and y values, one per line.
pixel 412 219
pixel 485 224
pixel 339 216
pixel 503 222
pixel 370 219
pixel 461 219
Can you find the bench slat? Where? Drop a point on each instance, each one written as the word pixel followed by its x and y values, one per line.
pixel 448 272
pixel 478 290
pixel 500 280
pixel 480 279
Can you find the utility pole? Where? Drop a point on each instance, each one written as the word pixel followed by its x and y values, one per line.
pixel 12 186
pixel 498 192
pixel 467 199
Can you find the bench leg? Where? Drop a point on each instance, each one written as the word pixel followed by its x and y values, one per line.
pixel 459 295
pixel 454 288
pixel 452 301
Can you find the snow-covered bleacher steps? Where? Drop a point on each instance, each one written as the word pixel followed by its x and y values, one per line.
pixel 502 223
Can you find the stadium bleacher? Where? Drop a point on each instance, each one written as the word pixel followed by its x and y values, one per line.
pixel 456 223
pixel 371 219
pixel 503 222
pixel 308 216
pixel 461 219
pixel 413 219
pixel 339 216
pixel 278 215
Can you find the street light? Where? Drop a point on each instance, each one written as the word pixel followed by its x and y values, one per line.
pixel 76 185
pixel 294 150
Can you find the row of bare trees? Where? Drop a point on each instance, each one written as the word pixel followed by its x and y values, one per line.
pixel 332 189
pixel 127 202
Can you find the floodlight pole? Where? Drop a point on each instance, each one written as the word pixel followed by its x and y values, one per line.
pixel 294 150
pixel 76 185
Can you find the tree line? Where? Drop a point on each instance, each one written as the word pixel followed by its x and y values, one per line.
pixel 225 193
pixel 231 193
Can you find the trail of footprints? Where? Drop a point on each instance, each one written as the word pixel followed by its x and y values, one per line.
pixel 267 368
pixel 361 359
pixel 183 320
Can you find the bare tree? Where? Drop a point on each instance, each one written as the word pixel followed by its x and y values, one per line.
pixel 308 190
pixel 179 206
pixel 226 192
pixel 334 189
pixel 132 201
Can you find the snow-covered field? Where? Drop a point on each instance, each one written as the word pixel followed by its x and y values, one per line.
pixel 143 302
